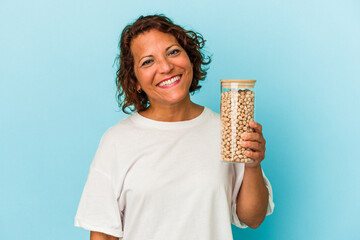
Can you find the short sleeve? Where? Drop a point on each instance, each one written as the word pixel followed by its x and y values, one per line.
pixel 98 209
pixel 239 174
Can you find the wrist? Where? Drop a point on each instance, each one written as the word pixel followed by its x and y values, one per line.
pixel 253 166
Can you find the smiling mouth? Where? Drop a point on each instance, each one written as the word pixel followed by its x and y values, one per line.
pixel 170 82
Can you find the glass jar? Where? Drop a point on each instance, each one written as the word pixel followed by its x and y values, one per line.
pixel 236 110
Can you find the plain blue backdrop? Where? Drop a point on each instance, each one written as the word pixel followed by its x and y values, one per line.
pixel 57 97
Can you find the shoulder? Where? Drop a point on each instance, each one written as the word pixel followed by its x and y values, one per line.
pixel 213 116
pixel 213 113
pixel 120 129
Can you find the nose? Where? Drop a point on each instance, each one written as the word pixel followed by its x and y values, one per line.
pixel 165 66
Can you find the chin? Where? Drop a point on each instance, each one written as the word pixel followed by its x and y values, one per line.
pixel 177 100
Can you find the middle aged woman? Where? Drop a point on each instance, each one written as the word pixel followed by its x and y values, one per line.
pixel 157 174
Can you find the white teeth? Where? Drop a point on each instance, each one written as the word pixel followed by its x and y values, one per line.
pixel 170 81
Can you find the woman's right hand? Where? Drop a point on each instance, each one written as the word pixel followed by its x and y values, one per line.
pixel 101 236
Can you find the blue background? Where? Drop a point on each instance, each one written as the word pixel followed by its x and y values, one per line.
pixel 58 97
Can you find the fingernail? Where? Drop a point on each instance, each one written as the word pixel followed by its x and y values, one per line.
pixel 243 144
pixel 244 135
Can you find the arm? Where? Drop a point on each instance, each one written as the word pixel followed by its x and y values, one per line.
pixel 252 199
pixel 101 236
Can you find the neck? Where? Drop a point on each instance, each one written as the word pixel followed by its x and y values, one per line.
pixel 182 111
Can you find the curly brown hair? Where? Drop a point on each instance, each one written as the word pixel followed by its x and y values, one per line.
pixel 192 42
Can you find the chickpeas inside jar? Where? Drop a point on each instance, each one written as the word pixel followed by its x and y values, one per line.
pixel 236 110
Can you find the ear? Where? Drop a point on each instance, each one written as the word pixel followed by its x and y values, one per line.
pixel 138 87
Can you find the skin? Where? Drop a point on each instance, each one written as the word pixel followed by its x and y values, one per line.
pixel 155 48
pixel 158 56
pixel 252 200
pixel 101 236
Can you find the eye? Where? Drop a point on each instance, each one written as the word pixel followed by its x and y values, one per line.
pixel 174 52
pixel 147 62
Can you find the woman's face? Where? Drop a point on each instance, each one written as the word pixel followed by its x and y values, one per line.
pixel 162 68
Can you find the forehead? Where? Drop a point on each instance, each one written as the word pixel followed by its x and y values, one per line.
pixel 150 42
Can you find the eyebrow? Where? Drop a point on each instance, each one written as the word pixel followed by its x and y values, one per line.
pixel 165 51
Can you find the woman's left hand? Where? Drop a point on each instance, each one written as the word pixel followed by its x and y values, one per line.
pixel 256 142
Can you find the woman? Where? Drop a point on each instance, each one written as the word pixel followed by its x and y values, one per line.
pixel 157 174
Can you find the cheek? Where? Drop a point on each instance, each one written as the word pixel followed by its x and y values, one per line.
pixel 144 76
pixel 186 64
pixel 191 69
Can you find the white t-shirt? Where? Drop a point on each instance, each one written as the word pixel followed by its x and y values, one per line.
pixel 158 180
